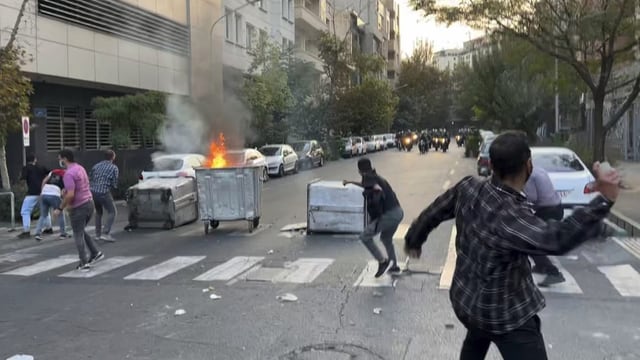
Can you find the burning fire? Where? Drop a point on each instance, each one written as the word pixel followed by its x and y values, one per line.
pixel 217 154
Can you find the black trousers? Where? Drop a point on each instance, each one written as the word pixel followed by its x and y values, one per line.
pixel 524 343
pixel 548 213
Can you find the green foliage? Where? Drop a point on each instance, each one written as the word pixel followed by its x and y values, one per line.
pixel 337 61
pixel 267 91
pixel 472 144
pixel 367 108
pixel 14 92
pixel 145 111
pixel 424 92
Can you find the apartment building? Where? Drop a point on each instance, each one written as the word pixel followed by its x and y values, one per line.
pixel 246 22
pixel 393 54
pixel 449 59
pixel 87 48
pixel 312 20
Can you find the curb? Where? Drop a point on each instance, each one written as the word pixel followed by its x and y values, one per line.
pixel 631 227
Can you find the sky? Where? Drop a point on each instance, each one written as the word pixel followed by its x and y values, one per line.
pixel 414 26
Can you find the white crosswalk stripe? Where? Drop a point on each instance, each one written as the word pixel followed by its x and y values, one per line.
pixel 303 270
pixel 103 267
pixel 569 286
pixel 624 278
pixel 230 269
pixel 166 268
pixel 367 278
pixel 43 266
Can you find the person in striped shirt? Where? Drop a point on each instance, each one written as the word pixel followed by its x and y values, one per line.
pixel 104 178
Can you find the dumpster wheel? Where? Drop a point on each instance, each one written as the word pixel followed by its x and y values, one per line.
pixel 212 224
pixel 254 223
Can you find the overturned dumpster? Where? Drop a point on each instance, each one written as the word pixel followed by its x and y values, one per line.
pixel 163 202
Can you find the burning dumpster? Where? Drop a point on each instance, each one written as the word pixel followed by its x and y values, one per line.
pixel 228 193
pixel 167 202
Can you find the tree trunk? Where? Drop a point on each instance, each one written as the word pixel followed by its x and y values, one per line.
pixel 4 172
pixel 598 137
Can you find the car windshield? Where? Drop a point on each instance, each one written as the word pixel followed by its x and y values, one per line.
pixel 485 147
pixel 166 164
pixel 270 150
pixel 558 162
pixel 300 146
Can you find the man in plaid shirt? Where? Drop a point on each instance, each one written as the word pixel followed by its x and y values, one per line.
pixel 104 178
pixel 493 293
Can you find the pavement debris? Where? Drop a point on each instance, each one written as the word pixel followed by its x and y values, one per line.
pixel 206 290
pixel 377 311
pixel 270 252
pixel 288 297
pixel 179 312
pixel 215 297
pixel 378 294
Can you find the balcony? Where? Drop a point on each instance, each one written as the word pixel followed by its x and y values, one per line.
pixel 309 15
pixel 392 46
pixel 306 50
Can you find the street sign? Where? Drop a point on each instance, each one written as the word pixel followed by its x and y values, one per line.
pixel 25 131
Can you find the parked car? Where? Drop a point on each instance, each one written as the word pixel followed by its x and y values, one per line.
pixel 371 143
pixel 309 152
pixel 381 142
pixel 390 140
pixel 571 178
pixel 173 166
pixel 484 169
pixel 350 147
pixel 248 157
pixel 360 144
pixel 281 159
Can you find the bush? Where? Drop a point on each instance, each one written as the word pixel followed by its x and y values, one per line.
pixel 472 144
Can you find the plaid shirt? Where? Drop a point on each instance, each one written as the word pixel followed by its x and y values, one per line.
pixel 492 287
pixel 104 177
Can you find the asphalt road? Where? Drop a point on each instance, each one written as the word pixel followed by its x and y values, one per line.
pixel 126 309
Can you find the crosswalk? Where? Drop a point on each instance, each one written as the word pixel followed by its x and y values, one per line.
pixel 622 279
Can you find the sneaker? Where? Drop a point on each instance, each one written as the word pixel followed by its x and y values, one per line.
pixel 99 256
pixel 24 235
pixel 48 231
pixel 394 270
pixel 38 237
pixel 551 280
pixel 383 267
pixel 83 267
pixel 107 238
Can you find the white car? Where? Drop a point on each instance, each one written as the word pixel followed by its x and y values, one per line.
pixel 350 147
pixel 371 143
pixel 381 142
pixel 361 146
pixel 173 166
pixel 390 140
pixel 281 159
pixel 571 178
pixel 248 157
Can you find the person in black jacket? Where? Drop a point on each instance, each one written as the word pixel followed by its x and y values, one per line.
pixel 385 215
pixel 33 174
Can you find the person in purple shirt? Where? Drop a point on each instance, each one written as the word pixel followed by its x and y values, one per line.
pixel 548 206
pixel 77 198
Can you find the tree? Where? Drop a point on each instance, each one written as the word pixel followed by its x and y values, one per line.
pixel 592 37
pixel 424 91
pixel 267 91
pixel 367 108
pixel 143 111
pixel 15 89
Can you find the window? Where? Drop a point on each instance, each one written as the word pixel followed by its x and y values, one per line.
pixel 97 134
pixel 135 138
pixel 289 9
pixel 262 4
pixel 229 23
pixel 250 36
pixel 238 29
pixel 285 3
pixel 63 128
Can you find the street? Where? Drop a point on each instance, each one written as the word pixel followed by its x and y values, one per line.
pixel 125 308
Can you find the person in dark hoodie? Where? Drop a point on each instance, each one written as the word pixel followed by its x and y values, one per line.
pixel 385 214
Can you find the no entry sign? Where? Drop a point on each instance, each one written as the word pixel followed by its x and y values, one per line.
pixel 25 131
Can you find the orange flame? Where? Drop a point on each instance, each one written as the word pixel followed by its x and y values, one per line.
pixel 217 154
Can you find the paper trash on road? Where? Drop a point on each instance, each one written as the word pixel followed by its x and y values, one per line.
pixel 206 290
pixel 377 311
pixel 378 293
pixel 179 312
pixel 270 252
pixel 288 297
pixel 21 357
pixel 215 297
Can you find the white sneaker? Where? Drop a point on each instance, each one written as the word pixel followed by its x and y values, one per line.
pixel 107 238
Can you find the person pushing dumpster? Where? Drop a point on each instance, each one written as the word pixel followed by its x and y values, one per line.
pixel 385 214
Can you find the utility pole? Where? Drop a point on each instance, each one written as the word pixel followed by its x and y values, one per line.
pixel 557 100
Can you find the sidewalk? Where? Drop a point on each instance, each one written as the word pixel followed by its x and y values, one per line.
pixel 626 212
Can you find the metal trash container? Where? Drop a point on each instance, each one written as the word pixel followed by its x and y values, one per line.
pixel 170 202
pixel 333 207
pixel 229 194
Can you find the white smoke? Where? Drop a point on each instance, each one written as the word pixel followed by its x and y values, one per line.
pixel 184 128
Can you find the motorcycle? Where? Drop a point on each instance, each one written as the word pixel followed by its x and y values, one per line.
pixel 422 146
pixel 436 143
pixel 407 142
pixel 459 140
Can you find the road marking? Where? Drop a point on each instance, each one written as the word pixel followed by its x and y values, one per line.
pixel 570 286
pixel 452 172
pixel 632 245
pixel 450 263
pixel 401 231
pixel 166 268
pixel 624 278
pixel 367 278
pixel 102 267
pixel 231 268
pixel 303 270
pixel 446 185
pixel 43 266
pixel 15 257
pixel 457 162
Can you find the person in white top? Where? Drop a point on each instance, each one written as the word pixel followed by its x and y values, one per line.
pixel 51 198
